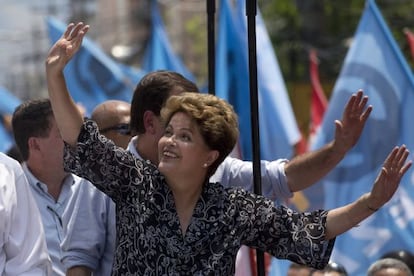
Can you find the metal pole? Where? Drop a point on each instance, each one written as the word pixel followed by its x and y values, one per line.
pixel 211 9
pixel 251 11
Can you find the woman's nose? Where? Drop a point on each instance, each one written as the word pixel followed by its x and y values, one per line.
pixel 171 140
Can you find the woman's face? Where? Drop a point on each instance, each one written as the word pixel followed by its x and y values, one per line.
pixel 182 150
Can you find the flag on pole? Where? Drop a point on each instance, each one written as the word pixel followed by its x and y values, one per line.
pixel 134 75
pixel 232 76
pixel 232 84
pixel 7 105
pixel 91 76
pixel 375 64
pixel 278 128
pixel 8 101
pixel 319 102
pixel 159 53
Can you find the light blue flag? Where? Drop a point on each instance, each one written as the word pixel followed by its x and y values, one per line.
pixel 159 54
pixel 279 130
pixel 278 127
pixel 374 63
pixel 91 76
pixel 8 103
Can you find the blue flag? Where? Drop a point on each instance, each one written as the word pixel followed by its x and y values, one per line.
pixel 278 128
pixel 232 75
pixel 133 75
pixel 375 64
pixel 7 105
pixel 159 54
pixel 8 101
pixel 91 76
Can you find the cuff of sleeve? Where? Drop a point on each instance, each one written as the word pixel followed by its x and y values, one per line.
pixel 80 259
pixel 280 189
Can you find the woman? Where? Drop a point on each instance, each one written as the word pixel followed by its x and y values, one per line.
pixel 170 220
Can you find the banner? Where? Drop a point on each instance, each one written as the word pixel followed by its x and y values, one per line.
pixel 375 64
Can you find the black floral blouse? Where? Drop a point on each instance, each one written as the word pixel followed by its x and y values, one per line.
pixel 149 238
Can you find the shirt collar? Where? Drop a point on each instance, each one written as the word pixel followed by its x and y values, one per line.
pixel 132 147
pixel 35 182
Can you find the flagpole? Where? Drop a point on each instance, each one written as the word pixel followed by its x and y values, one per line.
pixel 211 9
pixel 251 11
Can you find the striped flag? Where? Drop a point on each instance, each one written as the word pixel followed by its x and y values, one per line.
pixel 410 39
pixel 319 102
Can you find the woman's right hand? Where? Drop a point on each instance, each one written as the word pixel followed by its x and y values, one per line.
pixel 65 48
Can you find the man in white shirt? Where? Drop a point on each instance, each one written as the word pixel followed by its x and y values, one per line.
pixel 23 248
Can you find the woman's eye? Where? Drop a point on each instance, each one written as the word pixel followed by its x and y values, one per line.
pixel 185 137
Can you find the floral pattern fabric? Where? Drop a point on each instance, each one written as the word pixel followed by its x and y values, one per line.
pixel 149 237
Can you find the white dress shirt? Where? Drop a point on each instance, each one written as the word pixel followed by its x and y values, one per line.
pixel 23 248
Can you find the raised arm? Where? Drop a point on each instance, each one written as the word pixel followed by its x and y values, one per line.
pixel 344 218
pixel 68 117
pixel 308 168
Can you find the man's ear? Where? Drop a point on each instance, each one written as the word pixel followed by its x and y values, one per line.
pixel 32 144
pixel 149 122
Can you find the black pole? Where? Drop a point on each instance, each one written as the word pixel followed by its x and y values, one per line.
pixel 251 11
pixel 211 9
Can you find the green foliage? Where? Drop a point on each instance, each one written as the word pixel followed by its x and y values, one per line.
pixel 297 26
pixel 196 29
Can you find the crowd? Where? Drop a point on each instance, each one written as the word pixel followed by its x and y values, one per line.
pixel 150 188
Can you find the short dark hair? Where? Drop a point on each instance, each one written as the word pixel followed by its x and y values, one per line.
pixel 403 255
pixel 152 92
pixel 332 267
pixel 31 119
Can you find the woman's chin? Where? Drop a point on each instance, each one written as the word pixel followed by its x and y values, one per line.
pixel 165 168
